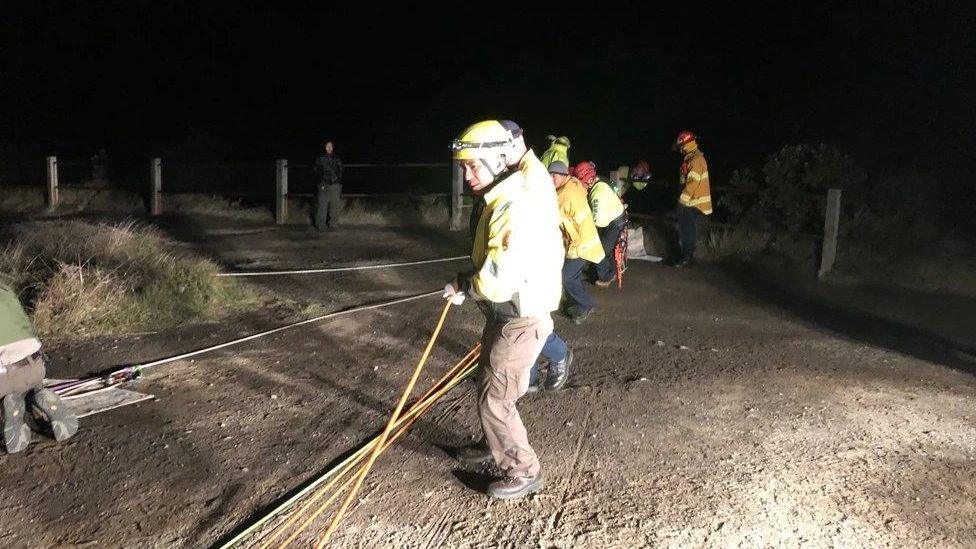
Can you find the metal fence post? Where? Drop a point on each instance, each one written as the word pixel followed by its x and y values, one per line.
pixel 281 194
pixel 457 185
pixel 52 182
pixel 155 186
pixel 831 228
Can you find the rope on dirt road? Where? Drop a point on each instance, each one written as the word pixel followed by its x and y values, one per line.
pixel 80 386
pixel 343 269
pixel 361 476
pixel 458 373
pixel 287 327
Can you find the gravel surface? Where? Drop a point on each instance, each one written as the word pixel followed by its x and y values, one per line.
pixel 715 407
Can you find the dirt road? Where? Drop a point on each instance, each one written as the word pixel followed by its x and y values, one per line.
pixel 715 407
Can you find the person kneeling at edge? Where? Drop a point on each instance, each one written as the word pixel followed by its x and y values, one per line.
pixel 22 381
pixel 517 254
pixel 580 238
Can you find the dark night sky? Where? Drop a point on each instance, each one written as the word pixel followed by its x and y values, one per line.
pixel 887 83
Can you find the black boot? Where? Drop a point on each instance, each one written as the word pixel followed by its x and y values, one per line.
pixel 559 373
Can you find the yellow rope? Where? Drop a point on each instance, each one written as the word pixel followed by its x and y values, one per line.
pixel 386 432
pixel 420 408
pixel 412 414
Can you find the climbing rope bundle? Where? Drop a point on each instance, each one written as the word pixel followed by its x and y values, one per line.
pixel 353 470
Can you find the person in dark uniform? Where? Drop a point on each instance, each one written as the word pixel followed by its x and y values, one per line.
pixel 328 168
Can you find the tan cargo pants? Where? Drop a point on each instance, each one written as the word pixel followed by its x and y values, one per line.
pixel 511 348
pixel 22 376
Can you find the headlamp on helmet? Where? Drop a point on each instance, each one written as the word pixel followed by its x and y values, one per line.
pixel 486 139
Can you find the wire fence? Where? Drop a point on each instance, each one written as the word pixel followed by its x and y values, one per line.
pixel 240 179
pixel 274 184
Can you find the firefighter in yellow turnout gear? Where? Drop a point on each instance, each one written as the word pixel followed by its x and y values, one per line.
pixel 517 256
pixel 696 197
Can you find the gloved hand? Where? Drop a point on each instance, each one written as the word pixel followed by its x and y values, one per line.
pixel 453 294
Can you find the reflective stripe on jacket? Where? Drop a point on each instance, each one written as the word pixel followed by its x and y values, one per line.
pixel 579 232
pixel 517 252
pixel 696 191
pixel 605 203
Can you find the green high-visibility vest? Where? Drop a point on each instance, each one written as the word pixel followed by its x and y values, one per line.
pixel 556 151
pixel 14 324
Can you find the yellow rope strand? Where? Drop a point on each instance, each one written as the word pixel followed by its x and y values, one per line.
pixel 417 409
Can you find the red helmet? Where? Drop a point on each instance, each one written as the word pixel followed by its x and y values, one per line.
pixel 585 171
pixel 684 137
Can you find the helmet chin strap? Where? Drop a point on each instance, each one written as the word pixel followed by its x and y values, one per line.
pixel 491 170
pixel 495 175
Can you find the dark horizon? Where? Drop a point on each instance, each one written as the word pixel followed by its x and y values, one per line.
pixel 237 82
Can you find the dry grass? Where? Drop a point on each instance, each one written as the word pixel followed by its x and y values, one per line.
pixel 32 199
pixel 890 252
pixel 911 253
pixel 400 211
pixel 21 199
pixel 359 212
pixel 29 199
pixel 214 205
pixel 82 279
pixel 738 243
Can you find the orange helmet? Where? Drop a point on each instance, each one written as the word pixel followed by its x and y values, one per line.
pixel 683 137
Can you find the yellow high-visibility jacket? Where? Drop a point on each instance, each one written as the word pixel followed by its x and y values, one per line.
pixel 557 151
pixel 518 252
pixel 695 192
pixel 579 231
pixel 539 182
pixel 605 203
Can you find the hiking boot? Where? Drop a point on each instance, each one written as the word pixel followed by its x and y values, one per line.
pixel 581 317
pixel 515 487
pixel 52 415
pixel 16 433
pixel 684 263
pixel 475 454
pixel 559 373
pixel 604 283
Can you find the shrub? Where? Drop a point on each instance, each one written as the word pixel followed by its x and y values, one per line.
pixel 789 192
pixel 81 279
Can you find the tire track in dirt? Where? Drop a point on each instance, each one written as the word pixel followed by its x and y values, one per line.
pixel 567 483
pixel 438 532
pixel 449 409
